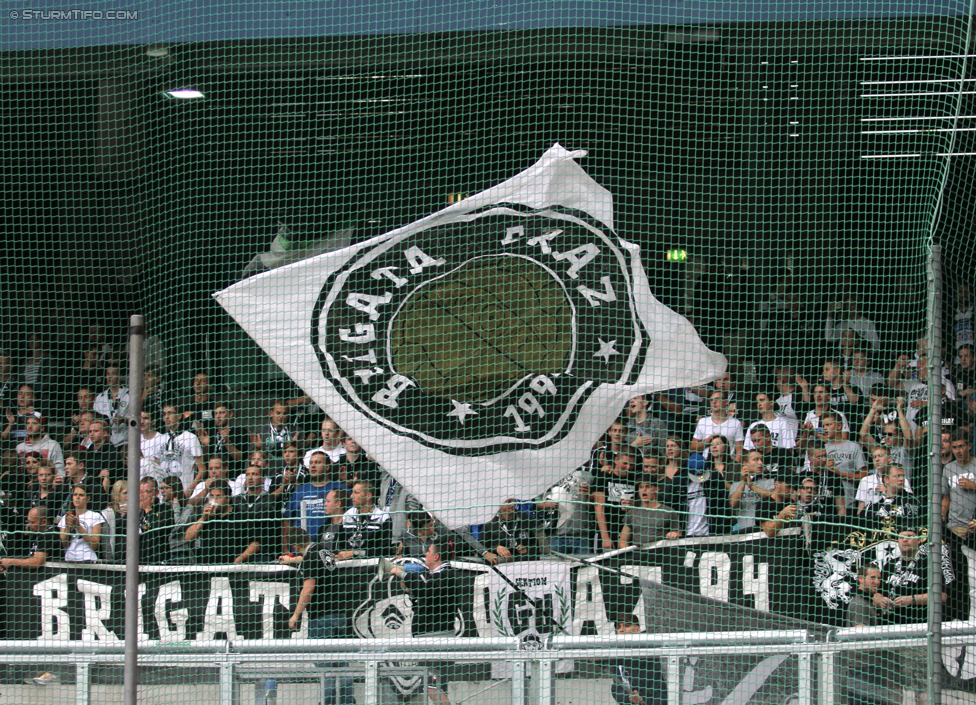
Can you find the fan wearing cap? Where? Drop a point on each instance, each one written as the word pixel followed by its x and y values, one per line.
pixel 636 681
pixel 37 441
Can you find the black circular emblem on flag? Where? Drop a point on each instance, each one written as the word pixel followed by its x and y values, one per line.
pixel 483 333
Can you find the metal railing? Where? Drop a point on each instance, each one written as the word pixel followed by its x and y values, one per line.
pixel 817 675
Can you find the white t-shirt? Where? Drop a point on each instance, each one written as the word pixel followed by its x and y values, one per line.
pixel 154 447
pixel 48 448
pixel 697 506
pixel 813 419
pixel 867 488
pixel 730 428
pixel 179 456
pixel 785 404
pixel 115 412
pixel 78 549
pixel 781 429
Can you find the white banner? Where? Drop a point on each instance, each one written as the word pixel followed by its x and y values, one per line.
pixel 544 606
pixel 478 353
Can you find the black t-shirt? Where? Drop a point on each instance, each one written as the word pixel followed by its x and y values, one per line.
pixel 829 488
pixel 24 544
pixel 301 477
pixel 333 592
pixel 643 675
pixel 222 540
pixel 777 460
pixel 893 514
pixel 154 533
pixel 15 484
pixel 108 457
pixel 767 509
pixel 53 501
pixel 98 498
pixel 838 399
pixel 8 394
pixel 511 534
pixel 327 595
pixel 261 518
pixel 201 413
pixel 435 598
pixel 673 492
pixel 615 489
pixel 963 379
pixel 369 535
pixel 901 578
pixel 237 437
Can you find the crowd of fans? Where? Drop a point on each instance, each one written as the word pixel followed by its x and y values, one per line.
pixel 837 446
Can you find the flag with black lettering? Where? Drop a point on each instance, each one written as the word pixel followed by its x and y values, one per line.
pixel 478 353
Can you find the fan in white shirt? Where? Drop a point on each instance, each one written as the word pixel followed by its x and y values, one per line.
pixel 113 403
pixel 719 423
pixel 781 429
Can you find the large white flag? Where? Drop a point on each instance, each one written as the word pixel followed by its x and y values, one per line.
pixel 478 353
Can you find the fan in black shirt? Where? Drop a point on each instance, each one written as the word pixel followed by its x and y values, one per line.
pixel 35 545
pixel 434 596
pixel 324 589
pixel 510 535
pixel 905 579
pixel 220 534
pixel 356 465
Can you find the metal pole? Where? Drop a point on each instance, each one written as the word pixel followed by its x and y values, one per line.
pixel 934 650
pixel 137 334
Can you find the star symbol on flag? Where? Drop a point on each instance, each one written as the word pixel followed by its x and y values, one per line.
pixel 606 349
pixel 462 411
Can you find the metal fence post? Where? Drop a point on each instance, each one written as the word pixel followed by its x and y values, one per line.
pixel 137 335
pixel 674 680
pixel 804 674
pixel 826 678
pixel 934 648
pixel 372 694
pixel 547 692
pixel 518 683
pixel 227 689
pixel 82 683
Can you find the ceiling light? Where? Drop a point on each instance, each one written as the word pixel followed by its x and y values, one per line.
pixel 184 93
